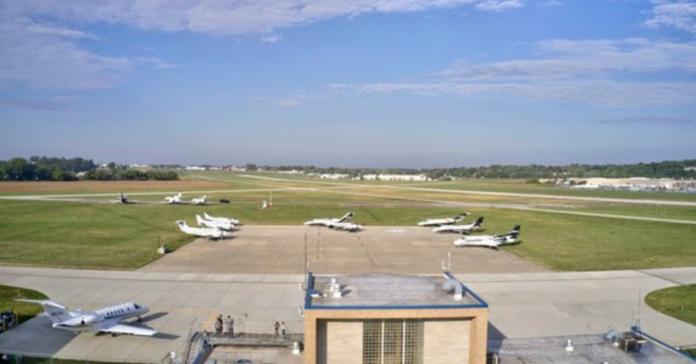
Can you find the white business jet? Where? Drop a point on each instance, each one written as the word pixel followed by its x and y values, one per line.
pixel 226 226
pixel 200 201
pixel 447 221
pixel 172 200
pixel 209 233
pixel 461 229
pixel 328 222
pixel 489 241
pixel 221 219
pixel 105 320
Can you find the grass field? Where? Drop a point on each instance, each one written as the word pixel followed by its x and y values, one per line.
pixel 103 235
pixel 115 236
pixel 24 311
pixel 678 302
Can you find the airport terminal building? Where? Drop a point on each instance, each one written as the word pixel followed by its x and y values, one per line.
pixel 385 319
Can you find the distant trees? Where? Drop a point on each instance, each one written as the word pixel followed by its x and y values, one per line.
pixel 666 169
pixel 62 169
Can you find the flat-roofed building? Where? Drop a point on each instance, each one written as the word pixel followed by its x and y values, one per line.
pixel 385 319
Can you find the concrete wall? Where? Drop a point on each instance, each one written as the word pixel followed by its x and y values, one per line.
pixel 343 342
pixel 449 337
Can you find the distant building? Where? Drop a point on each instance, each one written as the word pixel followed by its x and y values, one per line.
pixel 194 168
pixel 383 318
pixel 692 168
pixel 396 177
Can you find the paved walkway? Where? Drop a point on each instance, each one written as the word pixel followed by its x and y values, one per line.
pixel 521 305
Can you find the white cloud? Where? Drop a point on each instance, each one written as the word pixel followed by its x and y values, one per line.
pixel 224 17
pixel 499 5
pixel 680 15
pixel 598 72
pixel 46 56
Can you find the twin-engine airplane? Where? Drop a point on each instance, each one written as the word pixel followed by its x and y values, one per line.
pixel 210 233
pixel 104 320
pixel 447 221
pixel 329 222
pixel 461 229
pixel 221 219
pixel 489 241
pixel 227 226
pixel 172 200
pixel 200 201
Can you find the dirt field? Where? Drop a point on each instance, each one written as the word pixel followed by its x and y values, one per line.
pixel 106 186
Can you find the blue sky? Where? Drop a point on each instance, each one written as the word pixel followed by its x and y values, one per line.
pixel 375 83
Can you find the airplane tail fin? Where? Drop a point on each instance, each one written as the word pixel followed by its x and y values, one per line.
pixel 461 216
pixel 200 220
pixel 182 224
pixel 208 217
pixel 346 217
pixel 479 222
pixel 54 310
pixel 515 230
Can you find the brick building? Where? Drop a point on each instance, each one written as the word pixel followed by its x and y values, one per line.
pixel 385 319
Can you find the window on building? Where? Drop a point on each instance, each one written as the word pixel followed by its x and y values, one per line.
pixel 393 342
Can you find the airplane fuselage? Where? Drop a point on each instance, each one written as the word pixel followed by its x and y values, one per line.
pixel 88 321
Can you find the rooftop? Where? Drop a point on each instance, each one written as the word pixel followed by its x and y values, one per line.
pixel 589 349
pixel 387 291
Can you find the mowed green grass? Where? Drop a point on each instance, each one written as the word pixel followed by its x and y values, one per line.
pixel 678 302
pixel 115 236
pixel 23 310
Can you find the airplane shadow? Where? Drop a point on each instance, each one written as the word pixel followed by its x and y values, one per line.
pixel 495 339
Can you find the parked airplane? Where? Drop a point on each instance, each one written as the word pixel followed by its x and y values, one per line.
pixel 173 199
pixel 104 320
pixel 122 199
pixel 346 226
pixel 447 221
pixel 221 219
pixel 329 221
pixel 490 241
pixel 199 201
pixel 209 233
pixel 226 226
pixel 461 229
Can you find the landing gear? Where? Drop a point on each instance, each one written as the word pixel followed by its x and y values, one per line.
pixel 140 319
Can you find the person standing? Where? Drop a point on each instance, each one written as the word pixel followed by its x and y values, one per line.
pixel 276 327
pixel 282 329
pixel 230 327
pixel 218 326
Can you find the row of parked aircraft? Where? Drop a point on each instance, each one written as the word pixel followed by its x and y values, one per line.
pixel 210 227
pixel 449 225
pixel 177 199
pixel 341 223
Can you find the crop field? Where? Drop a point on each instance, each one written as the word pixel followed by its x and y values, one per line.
pixel 99 234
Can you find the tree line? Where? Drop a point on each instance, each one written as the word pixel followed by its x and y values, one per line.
pixel 72 169
pixel 665 169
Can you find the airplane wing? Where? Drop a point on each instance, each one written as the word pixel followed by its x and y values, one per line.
pixel 113 327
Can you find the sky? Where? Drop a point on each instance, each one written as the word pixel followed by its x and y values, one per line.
pixel 349 83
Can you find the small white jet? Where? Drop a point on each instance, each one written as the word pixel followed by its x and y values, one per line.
pixel 461 229
pixel 200 201
pixel 209 233
pixel 172 200
pixel 226 226
pixel 346 226
pixel 489 241
pixel 328 222
pixel 447 221
pixel 104 320
pixel 221 219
